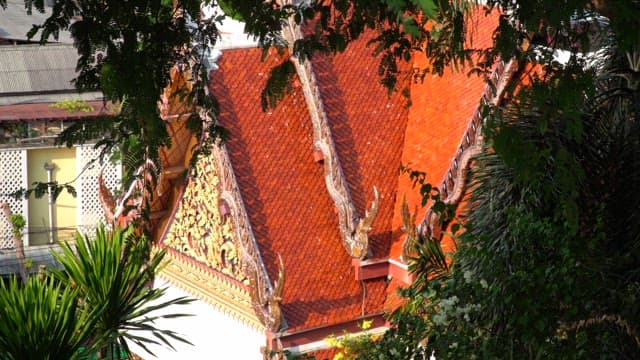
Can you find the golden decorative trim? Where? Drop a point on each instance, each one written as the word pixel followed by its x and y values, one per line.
pixel 199 229
pixel 206 239
pixel 265 299
pixel 224 294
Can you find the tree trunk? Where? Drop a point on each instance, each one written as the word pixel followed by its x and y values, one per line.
pixel 17 241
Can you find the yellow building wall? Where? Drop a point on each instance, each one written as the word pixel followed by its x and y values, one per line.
pixel 65 208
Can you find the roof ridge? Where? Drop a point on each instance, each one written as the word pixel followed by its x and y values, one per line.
pixel 353 229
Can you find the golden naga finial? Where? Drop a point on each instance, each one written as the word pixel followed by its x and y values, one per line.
pixel 409 228
pixel 360 244
pixel 275 297
pixel 266 301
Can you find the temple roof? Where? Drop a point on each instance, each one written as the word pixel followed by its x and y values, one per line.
pixel 284 192
pixel 283 186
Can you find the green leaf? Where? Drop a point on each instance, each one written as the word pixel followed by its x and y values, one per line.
pixel 428 7
pixel 111 272
pixel 438 207
pixel 410 26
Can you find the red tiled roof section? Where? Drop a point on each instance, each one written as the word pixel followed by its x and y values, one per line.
pixel 368 128
pixel 327 354
pixel 442 107
pixel 284 193
pixel 44 111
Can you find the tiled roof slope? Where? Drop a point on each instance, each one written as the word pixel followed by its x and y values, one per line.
pixel 284 192
pixel 368 127
pixel 442 107
pixel 327 354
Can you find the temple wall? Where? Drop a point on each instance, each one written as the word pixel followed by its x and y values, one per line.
pixel 214 334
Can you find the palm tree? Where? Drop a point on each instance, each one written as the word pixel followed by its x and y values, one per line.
pixel 111 275
pixel 552 226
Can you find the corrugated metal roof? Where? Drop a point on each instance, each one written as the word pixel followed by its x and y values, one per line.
pixel 35 68
pixel 15 23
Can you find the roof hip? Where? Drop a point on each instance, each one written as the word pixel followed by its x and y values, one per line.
pixel 353 228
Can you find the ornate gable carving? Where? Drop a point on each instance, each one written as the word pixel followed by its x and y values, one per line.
pixel 201 230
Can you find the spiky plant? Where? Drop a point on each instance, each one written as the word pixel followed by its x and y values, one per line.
pixel 112 272
pixel 42 319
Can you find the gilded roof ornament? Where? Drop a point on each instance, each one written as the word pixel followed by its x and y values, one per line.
pixel 265 297
pixel 200 230
pixel 266 301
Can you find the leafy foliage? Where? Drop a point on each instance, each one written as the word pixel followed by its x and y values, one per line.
pixel 126 50
pixel 349 345
pixel 40 189
pixel 547 266
pixel 43 319
pixel 286 355
pixel 74 105
pixel 112 273
pixel 440 29
pixel 278 85
pixel 18 222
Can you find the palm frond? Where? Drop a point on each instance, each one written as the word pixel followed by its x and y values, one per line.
pixel 112 272
pixel 42 318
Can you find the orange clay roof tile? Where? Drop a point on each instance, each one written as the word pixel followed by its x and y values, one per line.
pixel 367 124
pixel 442 107
pixel 283 190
